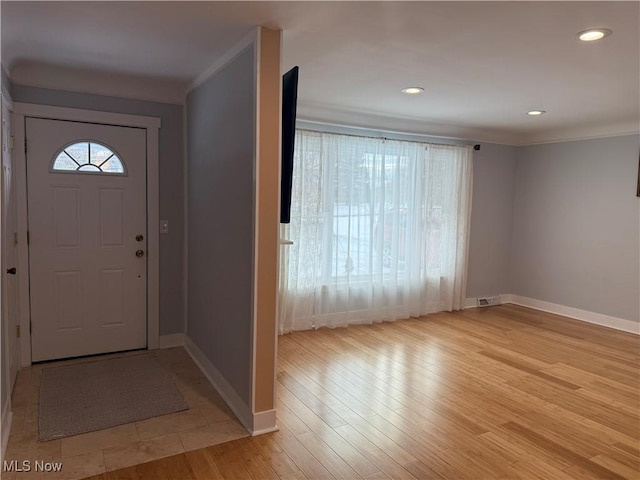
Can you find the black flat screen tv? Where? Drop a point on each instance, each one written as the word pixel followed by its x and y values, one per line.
pixel 289 104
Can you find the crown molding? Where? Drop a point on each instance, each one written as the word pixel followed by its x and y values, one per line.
pixel 249 39
pixel 4 70
pixel 329 115
pixel 406 125
pixel 336 128
pixel 574 134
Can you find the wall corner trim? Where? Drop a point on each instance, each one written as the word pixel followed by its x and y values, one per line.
pixel 7 420
pixel 222 61
pixel 226 391
pixel 172 340
pixel 264 422
pixel 268 87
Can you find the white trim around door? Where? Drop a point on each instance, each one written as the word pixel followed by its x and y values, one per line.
pixel 152 125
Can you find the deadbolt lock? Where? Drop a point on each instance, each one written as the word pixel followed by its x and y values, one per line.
pixel 139 253
pixel 139 237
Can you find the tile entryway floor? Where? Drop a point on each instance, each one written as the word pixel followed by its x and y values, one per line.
pixel 207 422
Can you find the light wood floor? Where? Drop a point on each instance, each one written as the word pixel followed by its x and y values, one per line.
pixel 497 393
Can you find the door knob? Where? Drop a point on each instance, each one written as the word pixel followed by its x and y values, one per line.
pixel 139 238
pixel 139 253
pixel 11 271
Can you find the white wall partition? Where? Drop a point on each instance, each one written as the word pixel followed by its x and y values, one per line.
pixel 233 128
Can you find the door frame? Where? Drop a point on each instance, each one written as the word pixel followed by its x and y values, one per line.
pixel 13 344
pixel 21 111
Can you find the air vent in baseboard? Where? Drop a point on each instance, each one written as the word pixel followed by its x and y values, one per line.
pixel 489 301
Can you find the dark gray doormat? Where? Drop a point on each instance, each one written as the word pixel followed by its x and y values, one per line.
pixel 101 394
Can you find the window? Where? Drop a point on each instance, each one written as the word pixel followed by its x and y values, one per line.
pixel 379 230
pixel 88 157
pixel 377 203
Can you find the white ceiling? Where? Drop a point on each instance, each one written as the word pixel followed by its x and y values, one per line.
pixel 483 64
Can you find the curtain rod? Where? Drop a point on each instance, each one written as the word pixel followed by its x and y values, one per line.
pixel 476 147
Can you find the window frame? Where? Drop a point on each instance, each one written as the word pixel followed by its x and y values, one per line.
pixel 77 171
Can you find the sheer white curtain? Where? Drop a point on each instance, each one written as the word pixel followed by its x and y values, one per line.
pixel 379 228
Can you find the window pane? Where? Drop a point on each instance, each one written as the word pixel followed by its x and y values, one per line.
pixel 113 165
pixel 63 162
pixel 79 152
pixel 99 153
pixel 89 168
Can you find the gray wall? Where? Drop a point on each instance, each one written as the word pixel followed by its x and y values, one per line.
pixel 576 225
pixel 494 178
pixel 220 158
pixel 171 184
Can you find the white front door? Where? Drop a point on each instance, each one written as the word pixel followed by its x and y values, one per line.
pixel 9 262
pixel 87 238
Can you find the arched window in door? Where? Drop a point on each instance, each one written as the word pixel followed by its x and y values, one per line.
pixel 88 157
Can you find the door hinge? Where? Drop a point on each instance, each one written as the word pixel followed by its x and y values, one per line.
pixel 25 146
pixel 18 331
pixel 12 143
pixel 15 238
pixel 27 237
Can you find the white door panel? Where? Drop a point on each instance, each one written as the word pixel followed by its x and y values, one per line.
pixel 88 287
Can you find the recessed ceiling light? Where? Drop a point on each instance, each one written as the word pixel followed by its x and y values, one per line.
pixel 535 113
pixel 412 90
pixel 594 34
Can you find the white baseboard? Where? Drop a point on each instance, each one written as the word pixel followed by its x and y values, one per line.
pixel 255 423
pixel 473 301
pixel 264 422
pixel 469 303
pixel 172 340
pixel 576 313
pixel 571 312
pixel 226 391
pixel 507 298
pixel 5 420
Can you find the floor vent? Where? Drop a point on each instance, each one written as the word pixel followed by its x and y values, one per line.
pixel 489 301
